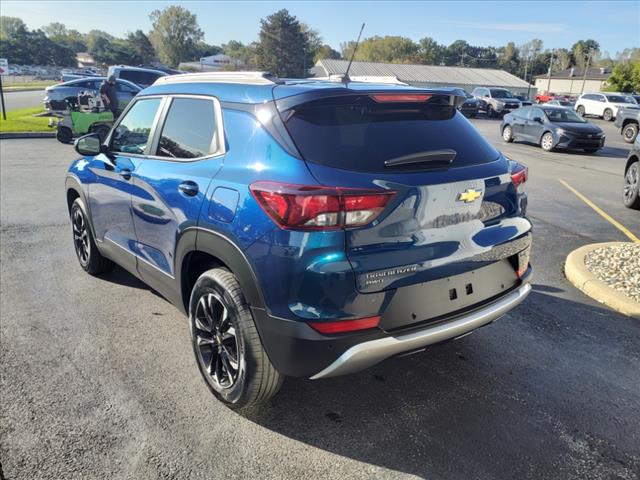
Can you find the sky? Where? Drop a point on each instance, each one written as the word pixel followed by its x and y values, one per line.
pixel 614 24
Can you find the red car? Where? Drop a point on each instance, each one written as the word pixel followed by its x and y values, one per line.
pixel 548 96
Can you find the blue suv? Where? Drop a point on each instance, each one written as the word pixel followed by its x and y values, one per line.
pixel 307 228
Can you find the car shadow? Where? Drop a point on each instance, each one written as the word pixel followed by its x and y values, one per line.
pixel 486 406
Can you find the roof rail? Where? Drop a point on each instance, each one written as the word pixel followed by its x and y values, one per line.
pixel 252 78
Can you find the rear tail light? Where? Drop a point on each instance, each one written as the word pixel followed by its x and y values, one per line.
pixel 343 326
pixel 519 174
pixel 302 207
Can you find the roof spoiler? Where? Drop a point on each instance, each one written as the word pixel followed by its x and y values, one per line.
pixel 457 96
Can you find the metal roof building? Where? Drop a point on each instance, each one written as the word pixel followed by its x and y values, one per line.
pixel 426 75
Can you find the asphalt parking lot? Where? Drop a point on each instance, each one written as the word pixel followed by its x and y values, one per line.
pixel 99 381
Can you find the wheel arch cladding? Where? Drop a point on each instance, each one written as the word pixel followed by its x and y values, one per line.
pixel 213 250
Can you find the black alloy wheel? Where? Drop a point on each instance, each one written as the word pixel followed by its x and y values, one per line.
pixel 216 342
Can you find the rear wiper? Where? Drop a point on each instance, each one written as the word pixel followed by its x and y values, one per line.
pixel 441 157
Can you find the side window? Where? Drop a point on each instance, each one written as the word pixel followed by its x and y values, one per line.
pixel 601 98
pixel 588 96
pixel 523 112
pixel 132 133
pixel 123 87
pixel 189 129
pixel 533 113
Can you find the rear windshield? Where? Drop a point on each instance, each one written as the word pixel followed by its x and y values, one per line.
pixel 358 133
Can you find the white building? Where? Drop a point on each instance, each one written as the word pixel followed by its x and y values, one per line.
pixel 427 75
pixel 570 81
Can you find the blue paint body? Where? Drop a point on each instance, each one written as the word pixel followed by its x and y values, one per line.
pixel 301 275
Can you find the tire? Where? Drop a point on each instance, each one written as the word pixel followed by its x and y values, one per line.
pixel 219 338
pixel 507 134
pixel 473 115
pixel 490 111
pixel 580 110
pixel 90 259
pixel 591 150
pixel 631 189
pixel 64 135
pixel 546 142
pixel 630 132
pixel 607 115
pixel 102 131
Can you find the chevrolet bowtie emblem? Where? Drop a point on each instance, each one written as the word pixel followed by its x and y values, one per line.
pixel 469 195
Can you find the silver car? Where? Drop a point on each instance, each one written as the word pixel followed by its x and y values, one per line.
pixel 57 96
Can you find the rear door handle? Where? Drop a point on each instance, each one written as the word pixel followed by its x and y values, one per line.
pixel 189 188
pixel 125 173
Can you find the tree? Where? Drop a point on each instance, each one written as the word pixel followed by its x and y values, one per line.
pixel 429 51
pixel 562 59
pixel 388 49
pixel 175 34
pixel 139 43
pixel 246 54
pixel 625 77
pixel 283 48
pixel 509 58
pixel 581 50
pixel 35 48
pixel 10 26
pixel 325 51
pixel 55 29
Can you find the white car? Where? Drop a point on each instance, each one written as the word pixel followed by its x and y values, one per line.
pixel 603 105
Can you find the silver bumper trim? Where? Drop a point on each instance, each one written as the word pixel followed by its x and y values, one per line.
pixel 366 354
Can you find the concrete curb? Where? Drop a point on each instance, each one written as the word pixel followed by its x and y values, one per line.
pixel 10 135
pixel 577 273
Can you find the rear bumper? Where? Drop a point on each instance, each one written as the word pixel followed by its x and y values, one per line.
pixel 295 349
pixel 369 353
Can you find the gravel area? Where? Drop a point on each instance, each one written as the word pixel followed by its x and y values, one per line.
pixel 618 266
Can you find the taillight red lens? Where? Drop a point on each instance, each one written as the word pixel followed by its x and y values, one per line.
pixel 519 174
pixel 343 326
pixel 302 207
pixel 401 97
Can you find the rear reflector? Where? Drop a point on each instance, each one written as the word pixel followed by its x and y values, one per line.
pixel 401 97
pixel 303 207
pixel 343 326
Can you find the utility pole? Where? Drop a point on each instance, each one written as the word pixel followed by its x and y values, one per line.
pixel 526 64
pixel 549 72
pixel 584 76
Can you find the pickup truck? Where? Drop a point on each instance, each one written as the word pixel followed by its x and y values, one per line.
pixel 627 120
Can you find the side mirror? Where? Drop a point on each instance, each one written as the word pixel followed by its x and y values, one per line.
pixel 486 95
pixel 537 119
pixel 89 144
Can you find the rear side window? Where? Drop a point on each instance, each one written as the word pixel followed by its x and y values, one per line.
pixel 189 129
pixel 358 133
pixel 132 133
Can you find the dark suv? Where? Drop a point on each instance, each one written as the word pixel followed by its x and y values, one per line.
pixel 308 228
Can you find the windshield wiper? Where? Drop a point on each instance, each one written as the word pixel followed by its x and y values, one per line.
pixel 440 157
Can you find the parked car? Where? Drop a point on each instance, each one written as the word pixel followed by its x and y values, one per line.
pixel 140 76
pixel 316 231
pixel 495 101
pixel 627 120
pixel 631 187
pixel 552 127
pixel 545 97
pixel 57 96
pixel 603 105
pixel 561 103
pixel 524 101
pixel 470 107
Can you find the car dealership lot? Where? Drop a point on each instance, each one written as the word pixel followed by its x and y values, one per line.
pixel 99 381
